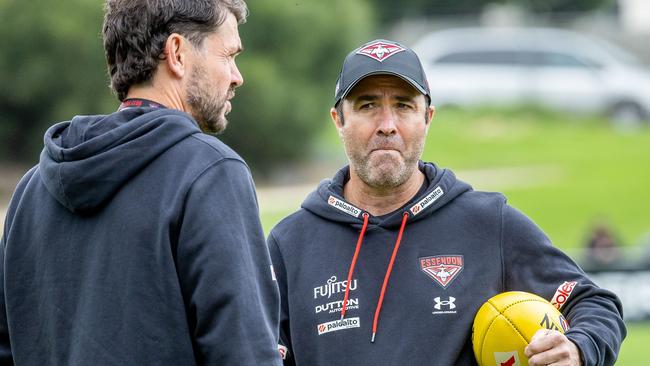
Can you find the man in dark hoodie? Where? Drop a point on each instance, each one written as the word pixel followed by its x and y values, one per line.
pixel 388 262
pixel 136 239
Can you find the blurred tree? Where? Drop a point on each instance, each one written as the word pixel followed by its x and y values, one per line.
pixel 51 67
pixel 293 53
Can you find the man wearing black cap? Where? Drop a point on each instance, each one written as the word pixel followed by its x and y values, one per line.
pixel 388 262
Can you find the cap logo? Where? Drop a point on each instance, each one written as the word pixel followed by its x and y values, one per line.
pixel 380 50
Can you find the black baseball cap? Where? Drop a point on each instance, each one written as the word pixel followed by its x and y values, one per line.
pixel 381 57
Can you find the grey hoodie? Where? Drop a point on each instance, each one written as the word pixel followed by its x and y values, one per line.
pixel 136 241
pixel 456 248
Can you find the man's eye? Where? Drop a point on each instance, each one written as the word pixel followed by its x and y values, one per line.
pixel 366 105
pixel 403 106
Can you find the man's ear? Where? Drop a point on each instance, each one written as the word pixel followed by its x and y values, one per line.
pixel 336 119
pixel 177 54
pixel 431 111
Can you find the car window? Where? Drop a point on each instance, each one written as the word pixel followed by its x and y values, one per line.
pixel 551 59
pixel 479 57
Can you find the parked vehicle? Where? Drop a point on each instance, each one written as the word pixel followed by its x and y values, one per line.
pixel 555 68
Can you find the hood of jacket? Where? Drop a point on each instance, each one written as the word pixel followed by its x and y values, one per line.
pixel 327 200
pixel 85 161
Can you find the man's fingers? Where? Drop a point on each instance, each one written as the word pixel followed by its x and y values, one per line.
pixel 551 347
pixel 540 342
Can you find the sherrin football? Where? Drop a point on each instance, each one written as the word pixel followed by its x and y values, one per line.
pixel 505 324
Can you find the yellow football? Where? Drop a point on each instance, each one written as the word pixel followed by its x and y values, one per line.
pixel 505 324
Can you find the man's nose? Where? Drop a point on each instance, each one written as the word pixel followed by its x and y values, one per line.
pixel 387 122
pixel 236 77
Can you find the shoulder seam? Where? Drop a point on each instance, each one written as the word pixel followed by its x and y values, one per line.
pixel 205 170
pixel 238 158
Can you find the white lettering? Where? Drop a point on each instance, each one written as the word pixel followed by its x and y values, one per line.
pixel 427 201
pixel 335 325
pixel 343 206
pixel 336 306
pixel 333 287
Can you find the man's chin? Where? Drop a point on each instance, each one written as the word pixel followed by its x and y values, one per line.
pixel 386 160
pixel 385 175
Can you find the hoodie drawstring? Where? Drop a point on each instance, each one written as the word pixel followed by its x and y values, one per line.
pixel 354 262
pixel 386 277
pixel 388 271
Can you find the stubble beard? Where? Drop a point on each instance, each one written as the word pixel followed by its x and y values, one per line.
pixel 206 103
pixel 383 170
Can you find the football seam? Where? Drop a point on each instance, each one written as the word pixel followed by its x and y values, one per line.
pixel 487 329
pixel 506 318
pixel 510 321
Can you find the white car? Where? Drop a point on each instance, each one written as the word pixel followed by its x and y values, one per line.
pixel 555 68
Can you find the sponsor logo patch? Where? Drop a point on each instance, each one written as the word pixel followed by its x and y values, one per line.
pixel 562 294
pixel 442 268
pixel 337 306
pixel 343 206
pixel 337 325
pixel 507 358
pixel 380 50
pixel 444 306
pixel 427 201
pixel 333 287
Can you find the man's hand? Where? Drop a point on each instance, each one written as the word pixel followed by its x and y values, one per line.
pixel 550 347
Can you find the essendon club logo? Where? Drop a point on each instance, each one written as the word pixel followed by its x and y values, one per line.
pixel 380 50
pixel 442 268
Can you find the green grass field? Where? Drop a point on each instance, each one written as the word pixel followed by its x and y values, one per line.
pixel 562 171
pixel 581 169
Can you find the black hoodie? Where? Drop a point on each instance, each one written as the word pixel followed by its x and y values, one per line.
pixel 420 275
pixel 136 241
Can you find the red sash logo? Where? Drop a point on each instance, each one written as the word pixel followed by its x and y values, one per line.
pixel 442 268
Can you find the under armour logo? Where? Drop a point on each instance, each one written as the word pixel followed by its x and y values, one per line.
pixel 440 303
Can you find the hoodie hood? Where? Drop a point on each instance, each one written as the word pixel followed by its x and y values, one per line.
pixel 85 161
pixel 328 202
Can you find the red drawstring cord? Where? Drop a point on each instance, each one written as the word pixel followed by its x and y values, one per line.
pixel 354 262
pixel 386 277
pixel 388 271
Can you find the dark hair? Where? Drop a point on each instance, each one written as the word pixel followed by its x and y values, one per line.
pixel 135 32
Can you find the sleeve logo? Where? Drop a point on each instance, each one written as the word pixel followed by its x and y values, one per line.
pixel 562 294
